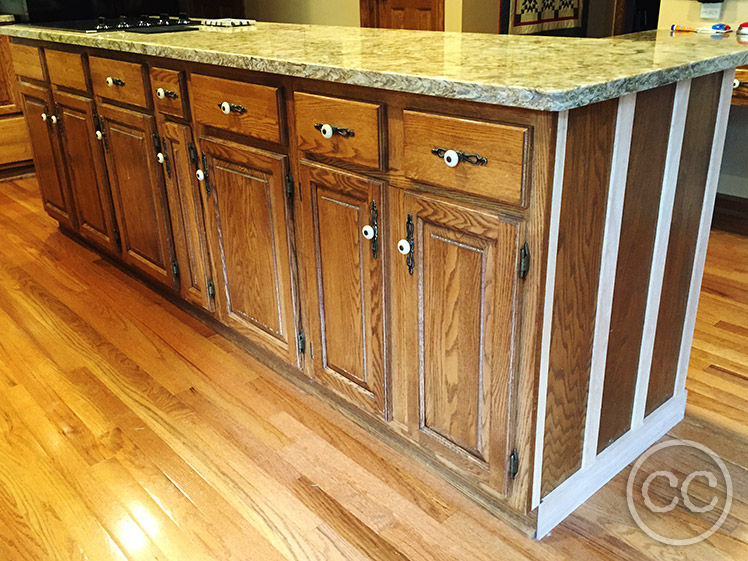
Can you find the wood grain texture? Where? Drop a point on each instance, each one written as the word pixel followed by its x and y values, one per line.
pixel 649 144
pixel 173 81
pixel 66 69
pixel 346 283
pixel 27 61
pixel 689 199
pixel 133 92
pixel 15 139
pixel 426 15
pixel 95 459
pixel 458 318
pixel 248 237
pixel 10 100
pixel 261 120
pixel 589 152
pixel 364 119
pixel 506 148
pixel 138 192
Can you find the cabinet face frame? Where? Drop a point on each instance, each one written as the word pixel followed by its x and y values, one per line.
pixel 226 159
pixel 360 373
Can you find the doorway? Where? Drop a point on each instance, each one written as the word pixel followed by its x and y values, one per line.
pixel 426 15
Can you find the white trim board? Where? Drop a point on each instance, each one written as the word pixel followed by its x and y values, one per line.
pixel 568 496
pixel 550 288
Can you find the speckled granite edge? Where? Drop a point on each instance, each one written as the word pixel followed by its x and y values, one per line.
pixel 497 94
pixel 7 18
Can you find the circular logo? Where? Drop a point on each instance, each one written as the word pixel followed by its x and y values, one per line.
pixel 656 487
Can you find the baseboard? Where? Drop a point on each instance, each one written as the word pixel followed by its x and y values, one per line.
pixel 731 214
pixel 568 496
pixel 17 170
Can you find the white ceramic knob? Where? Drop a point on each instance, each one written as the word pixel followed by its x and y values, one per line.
pixel 403 246
pixel 109 81
pixel 44 116
pixel 99 135
pixel 200 174
pixel 53 118
pixel 226 107
pixel 160 158
pixel 367 232
pixel 326 131
pixel 735 84
pixel 451 158
pixel 160 93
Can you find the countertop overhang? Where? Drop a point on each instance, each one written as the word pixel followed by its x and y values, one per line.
pixel 533 72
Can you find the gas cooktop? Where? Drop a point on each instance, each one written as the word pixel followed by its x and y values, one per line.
pixel 143 24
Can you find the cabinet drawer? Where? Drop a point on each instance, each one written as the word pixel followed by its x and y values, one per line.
pixel 169 95
pixel 15 140
pixel 252 109
pixel 118 80
pixel 497 155
pixel 66 69
pixel 27 61
pixel 340 128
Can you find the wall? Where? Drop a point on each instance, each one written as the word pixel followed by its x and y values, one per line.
pixel 686 12
pixel 329 12
pixel 480 16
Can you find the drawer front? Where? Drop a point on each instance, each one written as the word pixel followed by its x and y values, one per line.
pixel 497 155
pixel 14 136
pixel 252 109
pixel 27 61
pixel 169 95
pixel 66 69
pixel 119 81
pixel 355 127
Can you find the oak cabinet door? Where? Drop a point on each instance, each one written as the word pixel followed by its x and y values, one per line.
pixel 45 141
pixel 245 202
pixel 180 162
pixel 455 295
pixel 344 282
pixel 83 157
pixel 138 191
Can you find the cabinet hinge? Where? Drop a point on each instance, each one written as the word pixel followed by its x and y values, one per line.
pixel 205 171
pixel 175 268
pixel 100 129
pixel 211 290
pixel 514 463
pixel 301 342
pixel 192 151
pixel 117 237
pixel 524 261
pixel 289 187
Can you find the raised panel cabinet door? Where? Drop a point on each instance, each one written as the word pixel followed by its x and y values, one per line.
pixel 246 209
pixel 425 15
pixel 139 192
pixel 50 174
pixel 83 157
pixel 455 287
pixel 180 162
pixel 345 286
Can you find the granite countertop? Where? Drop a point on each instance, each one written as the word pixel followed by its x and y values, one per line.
pixel 546 73
pixel 6 18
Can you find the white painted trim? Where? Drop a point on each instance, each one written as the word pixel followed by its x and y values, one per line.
pixel 550 287
pixel 568 496
pixel 718 145
pixel 659 251
pixel 608 266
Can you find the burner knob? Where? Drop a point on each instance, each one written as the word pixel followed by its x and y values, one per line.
pixel 144 20
pixel 123 23
pixel 164 20
pixel 184 19
pixel 102 26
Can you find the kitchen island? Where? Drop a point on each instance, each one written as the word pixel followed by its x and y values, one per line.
pixel 490 259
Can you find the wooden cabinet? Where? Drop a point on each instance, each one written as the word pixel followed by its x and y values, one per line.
pixel 15 151
pixel 455 299
pixel 345 284
pixel 138 192
pixel 45 140
pixel 244 197
pixel 83 157
pixel 180 162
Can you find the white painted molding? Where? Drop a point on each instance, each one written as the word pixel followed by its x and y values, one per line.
pixel 568 496
pixel 550 287
pixel 609 263
pixel 715 164
pixel 659 252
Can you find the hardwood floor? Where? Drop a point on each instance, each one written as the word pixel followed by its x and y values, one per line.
pixel 130 431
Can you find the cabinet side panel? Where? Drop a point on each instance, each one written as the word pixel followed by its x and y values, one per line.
pixel 646 169
pixel 589 154
pixel 689 199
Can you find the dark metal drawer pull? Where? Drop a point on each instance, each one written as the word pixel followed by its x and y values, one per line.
pixel 449 157
pixel 114 81
pixel 329 130
pixel 227 108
